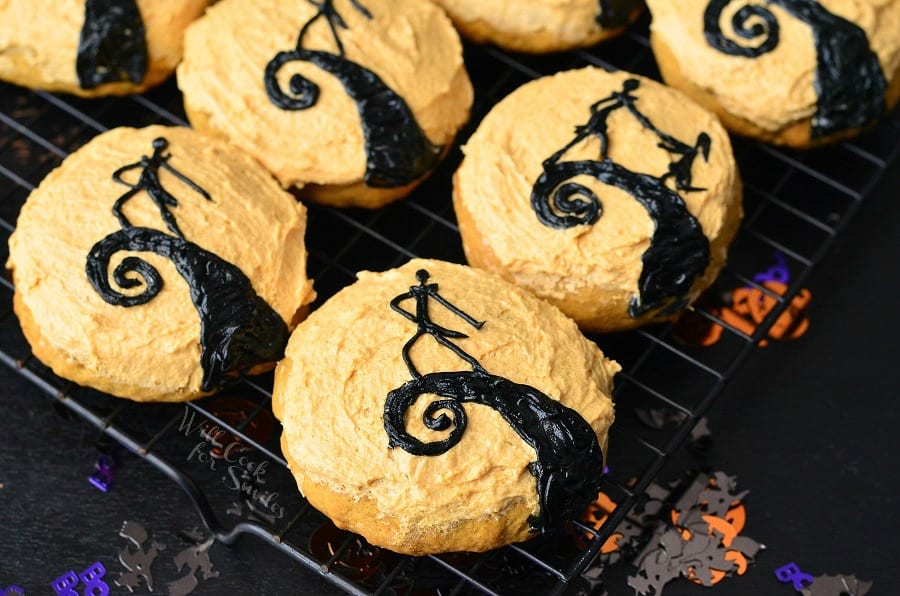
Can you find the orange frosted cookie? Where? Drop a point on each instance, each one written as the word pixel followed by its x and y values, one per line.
pixel 157 264
pixel 435 408
pixel 793 72
pixel 93 47
pixel 353 102
pixel 617 204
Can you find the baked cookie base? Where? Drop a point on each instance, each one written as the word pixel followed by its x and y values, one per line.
pixel 48 61
pixel 360 514
pixel 543 42
pixel 601 310
pixel 357 194
pixel 63 365
pixel 19 72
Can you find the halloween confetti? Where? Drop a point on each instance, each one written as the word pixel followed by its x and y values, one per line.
pixel 624 539
pixel 193 559
pixel 105 472
pixel 779 272
pixel 92 578
pixel 746 308
pixel 790 573
pixel 192 562
pixel 107 464
pixel 823 585
pixel 12 591
pixel 660 418
pixel 703 542
pixel 698 538
pixel 137 562
pixel 837 585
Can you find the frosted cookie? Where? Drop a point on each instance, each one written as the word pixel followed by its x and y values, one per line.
pixel 792 72
pixel 93 47
pixel 437 408
pixel 617 203
pixel 353 102
pixel 540 26
pixel 158 264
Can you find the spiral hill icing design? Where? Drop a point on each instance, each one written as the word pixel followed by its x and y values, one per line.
pixel 569 458
pixel 113 45
pixel 850 82
pixel 679 251
pixel 397 150
pixel 238 329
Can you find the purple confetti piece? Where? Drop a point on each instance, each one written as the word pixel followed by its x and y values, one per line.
pixel 92 577
pixel 778 272
pixel 12 591
pixel 64 584
pixel 105 473
pixel 791 574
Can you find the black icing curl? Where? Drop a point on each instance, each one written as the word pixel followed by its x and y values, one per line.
pixel 679 251
pixel 303 93
pixel 124 275
pixel 562 204
pixel 569 461
pixel 850 82
pixel 238 329
pixel 752 22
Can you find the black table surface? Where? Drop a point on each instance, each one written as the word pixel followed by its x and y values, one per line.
pixel 808 426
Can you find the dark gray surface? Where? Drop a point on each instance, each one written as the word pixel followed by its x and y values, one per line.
pixel 54 521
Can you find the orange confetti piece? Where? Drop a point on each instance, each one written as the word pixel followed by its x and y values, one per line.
pixel 717 524
pixel 739 560
pixel 749 308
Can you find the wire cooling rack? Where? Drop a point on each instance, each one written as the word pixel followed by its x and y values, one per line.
pixel 796 203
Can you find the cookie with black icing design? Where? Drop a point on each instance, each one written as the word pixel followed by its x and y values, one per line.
pixel 158 264
pixel 794 72
pixel 93 47
pixel 435 408
pixel 353 102
pixel 617 203
pixel 542 26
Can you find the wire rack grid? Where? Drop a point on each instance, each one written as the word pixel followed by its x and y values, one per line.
pixel 795 204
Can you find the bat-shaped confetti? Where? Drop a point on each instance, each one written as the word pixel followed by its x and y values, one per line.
pixel 702 543
pixel 823 585
pixel 137 562
pixel 194 558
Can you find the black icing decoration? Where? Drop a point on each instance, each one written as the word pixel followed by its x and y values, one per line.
pixel 679 251
pixel 150 183
pixel 569 459
pixel 113 46
pixel 397 150
pixel 238 329
pixel 616 13
pixel 850 82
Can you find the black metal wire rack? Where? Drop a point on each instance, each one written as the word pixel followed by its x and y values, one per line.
pixel 796 203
